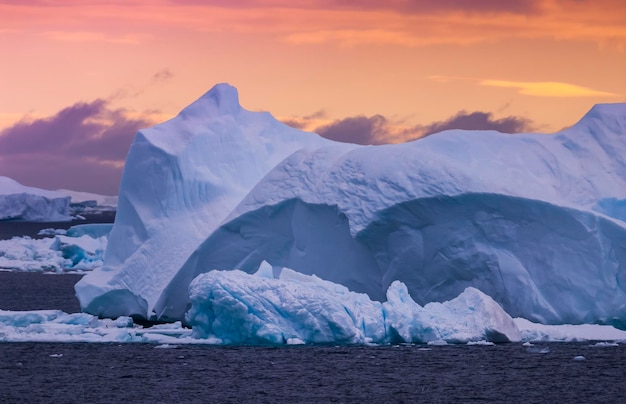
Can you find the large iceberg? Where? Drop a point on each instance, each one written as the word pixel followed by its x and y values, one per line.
pixel 537 222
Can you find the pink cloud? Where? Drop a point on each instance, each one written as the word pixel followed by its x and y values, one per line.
pixel 82 147
pixel 377 129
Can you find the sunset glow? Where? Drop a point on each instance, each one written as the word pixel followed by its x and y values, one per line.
pixel 397 67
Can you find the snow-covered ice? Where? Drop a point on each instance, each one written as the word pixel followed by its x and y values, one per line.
pixel 537 222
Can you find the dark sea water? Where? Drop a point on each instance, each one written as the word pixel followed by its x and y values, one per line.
pixel 46 372
pixel 9 229
pixel 138 373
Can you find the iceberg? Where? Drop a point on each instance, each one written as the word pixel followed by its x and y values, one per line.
pixel 22 203
pixel 535 221
pixel 78 197
pixel 19 202
pixel 79 249
pixel 239 308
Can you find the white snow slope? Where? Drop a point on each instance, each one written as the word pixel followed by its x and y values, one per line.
pixel 535 221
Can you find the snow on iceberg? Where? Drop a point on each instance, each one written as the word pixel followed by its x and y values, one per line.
pixel 239 308
pixel 19 202
pixel 534 221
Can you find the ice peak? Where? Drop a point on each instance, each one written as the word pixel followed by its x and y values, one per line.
pixel 612 116
pixel 222 99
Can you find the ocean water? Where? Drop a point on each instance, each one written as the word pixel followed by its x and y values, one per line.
pixel 10 229
pixel 137 373
pixel 84 372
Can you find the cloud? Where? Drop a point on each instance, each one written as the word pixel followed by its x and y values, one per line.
pixel 162 75
pixel 357 129
pixel 313 120
pixel 82 147
pixel 408 23
pixel 548 88
pixel 379 130
pixel 413 6
pixel 480 121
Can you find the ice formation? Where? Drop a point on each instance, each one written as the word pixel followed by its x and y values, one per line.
pixel 58 326
pixel 80 248
pixel 78 197
pixel 281 307
pixel 19 202
pixel 23 203
pixel 181 179
pixel 537 222
pixel 239 308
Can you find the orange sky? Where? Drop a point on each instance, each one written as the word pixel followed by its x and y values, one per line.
pixel 412 62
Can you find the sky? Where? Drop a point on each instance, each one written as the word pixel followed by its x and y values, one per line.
pixel 79 78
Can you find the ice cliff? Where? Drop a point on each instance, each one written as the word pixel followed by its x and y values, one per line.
pixel 537 222
pixel 22 203
pixel 19 202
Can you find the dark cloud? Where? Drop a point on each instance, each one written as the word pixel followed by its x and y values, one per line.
pixel 480 121
pixel 356 129
pixel 474 6
pixel 379 130
pixel 82 147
